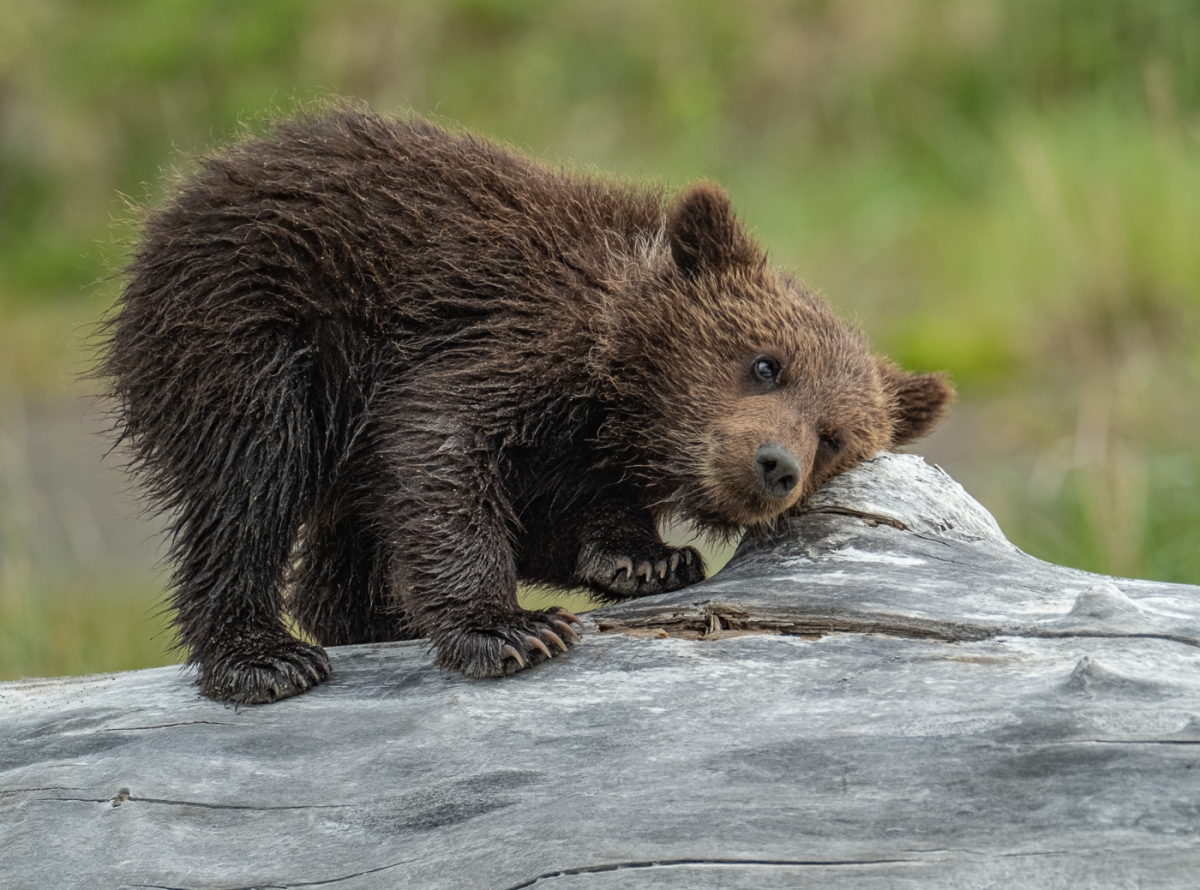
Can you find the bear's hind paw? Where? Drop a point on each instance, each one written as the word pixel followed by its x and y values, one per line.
pixel 264 673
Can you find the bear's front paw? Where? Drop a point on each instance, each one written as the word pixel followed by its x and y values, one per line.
pixel 530 638
pixel 645 570
pixel 259 671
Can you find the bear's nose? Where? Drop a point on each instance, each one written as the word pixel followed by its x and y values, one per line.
pixel 777 468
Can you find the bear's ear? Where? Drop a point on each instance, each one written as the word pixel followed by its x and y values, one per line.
pixel 919 401
pixel 704 233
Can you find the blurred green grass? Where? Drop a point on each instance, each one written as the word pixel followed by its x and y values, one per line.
pixel 51 632
pixel 1007 190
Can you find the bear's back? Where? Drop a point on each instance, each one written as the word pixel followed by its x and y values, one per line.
pixel 392 222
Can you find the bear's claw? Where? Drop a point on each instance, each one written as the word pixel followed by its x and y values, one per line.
pixel 659 569
pixel 507 651
pixel 624 564
pixel 536 643
pixel 560 613
pixel 554 639
pixel 566 630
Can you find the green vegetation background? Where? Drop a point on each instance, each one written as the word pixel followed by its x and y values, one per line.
pixel 1004 189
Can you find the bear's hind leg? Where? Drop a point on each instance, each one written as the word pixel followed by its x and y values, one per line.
pixel 339 589
pixel 235 459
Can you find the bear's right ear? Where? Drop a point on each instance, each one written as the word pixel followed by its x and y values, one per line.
pixel 704 233
pixel 919 401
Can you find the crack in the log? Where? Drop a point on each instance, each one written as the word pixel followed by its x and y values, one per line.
pixel 193 803
pixel 871 519
pixel 716 618
pixel 4 791
pixel 962 851
pixel 916 857
pixel 913 857
pixel 676 863
pixel 921 629
pixel 952 560
pixel 169 725
pixel 324 882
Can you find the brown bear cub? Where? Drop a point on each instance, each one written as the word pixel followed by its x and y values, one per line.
pixel 377 373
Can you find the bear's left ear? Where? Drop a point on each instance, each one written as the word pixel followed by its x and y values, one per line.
pixel 704 233
pixel 919 401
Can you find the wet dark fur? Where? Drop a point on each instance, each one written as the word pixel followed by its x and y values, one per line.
pixel 377 372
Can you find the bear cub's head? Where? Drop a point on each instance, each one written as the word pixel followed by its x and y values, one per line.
pixel 736 391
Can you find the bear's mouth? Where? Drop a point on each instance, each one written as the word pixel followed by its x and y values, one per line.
pixel 742 500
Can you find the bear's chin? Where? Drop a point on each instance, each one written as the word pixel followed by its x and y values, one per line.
pixel 728 509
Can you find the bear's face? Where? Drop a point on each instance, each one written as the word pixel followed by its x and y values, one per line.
pixel 804 402
pixel 740 392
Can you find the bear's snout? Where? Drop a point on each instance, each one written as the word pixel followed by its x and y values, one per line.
pixel 759 462
pixel 778 469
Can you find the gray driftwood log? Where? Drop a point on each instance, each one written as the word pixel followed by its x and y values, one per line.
pixel 889 694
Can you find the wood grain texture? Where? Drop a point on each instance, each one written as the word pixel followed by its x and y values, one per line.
pixel 885 694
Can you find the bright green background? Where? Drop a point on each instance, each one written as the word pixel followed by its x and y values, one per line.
pixel 1007 190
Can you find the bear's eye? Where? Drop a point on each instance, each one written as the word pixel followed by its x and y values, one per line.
pixel 831 441
pixel 765 369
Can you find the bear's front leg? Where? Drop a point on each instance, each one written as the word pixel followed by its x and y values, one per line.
pixel 453 571
pixel 621 555
pixel 608 544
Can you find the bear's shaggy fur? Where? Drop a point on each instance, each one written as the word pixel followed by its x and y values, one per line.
pixel 377 372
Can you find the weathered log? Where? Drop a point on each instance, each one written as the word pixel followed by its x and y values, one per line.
pixel 885 694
